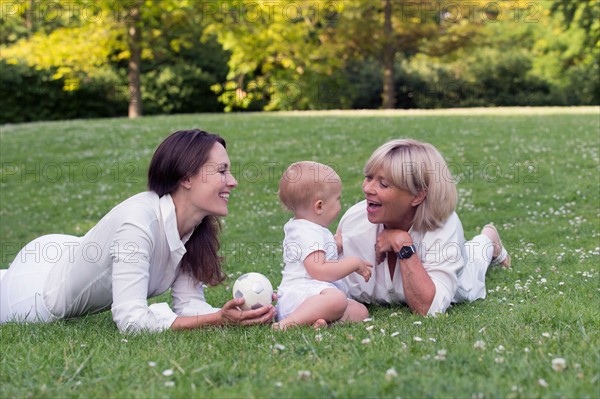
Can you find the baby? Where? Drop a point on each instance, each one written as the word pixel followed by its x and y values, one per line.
pixel 310 293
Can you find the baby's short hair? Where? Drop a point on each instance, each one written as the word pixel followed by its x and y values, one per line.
pixel 304 182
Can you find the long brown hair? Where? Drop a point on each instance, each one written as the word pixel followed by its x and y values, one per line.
pixel 178 157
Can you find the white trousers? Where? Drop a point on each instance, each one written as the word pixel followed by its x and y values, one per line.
pixel 22 284
pixel 471 280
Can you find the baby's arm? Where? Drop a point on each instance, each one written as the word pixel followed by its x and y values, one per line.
pixel 321 269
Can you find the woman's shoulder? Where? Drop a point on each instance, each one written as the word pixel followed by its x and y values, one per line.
pixel 451 228
pixel 141 206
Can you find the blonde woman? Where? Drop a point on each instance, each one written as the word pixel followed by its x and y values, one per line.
pixel 408 228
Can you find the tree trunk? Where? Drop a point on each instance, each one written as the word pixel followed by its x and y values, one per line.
pixel 135 60
pixel 389 93
pixel 29 17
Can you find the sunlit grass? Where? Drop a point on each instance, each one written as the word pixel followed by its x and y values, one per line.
pixel 533 172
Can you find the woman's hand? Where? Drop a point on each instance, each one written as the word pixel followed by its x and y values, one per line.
pixel 338 241
pixel 231 314
pixel 391 240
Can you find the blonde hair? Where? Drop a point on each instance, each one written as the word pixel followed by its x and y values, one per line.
pixel 304 182
pixel 415 166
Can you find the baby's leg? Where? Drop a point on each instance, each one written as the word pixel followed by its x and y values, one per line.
pixel 355 312
pixel 329 305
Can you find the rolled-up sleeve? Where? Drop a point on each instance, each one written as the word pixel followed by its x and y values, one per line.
pixel 130 252
pixel 188 297
pixel 443 257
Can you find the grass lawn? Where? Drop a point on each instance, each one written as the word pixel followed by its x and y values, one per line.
pixel 533 172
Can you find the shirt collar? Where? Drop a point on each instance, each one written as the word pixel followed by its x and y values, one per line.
pixel 167 210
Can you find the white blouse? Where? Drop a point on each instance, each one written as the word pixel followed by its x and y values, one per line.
pixel 132 254
pixel 441 251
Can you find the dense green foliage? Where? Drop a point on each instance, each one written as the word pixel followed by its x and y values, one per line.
pixel 516 167
pixel 210 56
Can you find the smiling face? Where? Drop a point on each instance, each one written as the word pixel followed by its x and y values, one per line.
pixel 389 205
pixel 210 187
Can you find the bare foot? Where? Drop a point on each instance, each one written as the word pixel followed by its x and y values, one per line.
pixel 319 323
pixel 283 325
pixel 500 256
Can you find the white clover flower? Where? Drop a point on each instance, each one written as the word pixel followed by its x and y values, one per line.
pixel 152 364
pixel 546 335
pixel 394 334
pixel 304 374
pixel 417 323
pixel 366 341
pixel 368 319
pixel 124 340
pixel 479 345
pixel 441 355
pixel 390 374
pixel 433 339
pixel 559 364
pixel 318 337
pixel 499 349
pixel 417 339
pixel 369 328
pixel 168 372
pixel 279 384
pixel 279 347
pixel 542 382
pixel 169 383
pixel 499 360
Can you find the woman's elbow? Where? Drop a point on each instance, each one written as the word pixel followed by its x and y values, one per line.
pixel 422 308
pixel 424 305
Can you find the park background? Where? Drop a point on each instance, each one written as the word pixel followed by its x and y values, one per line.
pixel 80 59
pixel 533 171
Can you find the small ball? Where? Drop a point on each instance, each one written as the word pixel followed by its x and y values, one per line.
pixel 256 290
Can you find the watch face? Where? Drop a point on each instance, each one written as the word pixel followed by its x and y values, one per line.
pixel 406 252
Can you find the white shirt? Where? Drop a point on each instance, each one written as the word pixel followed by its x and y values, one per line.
pixel 302 238
pixel 441 251
pixel 133 253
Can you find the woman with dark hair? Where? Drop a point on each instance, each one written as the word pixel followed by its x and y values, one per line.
pixel 165 238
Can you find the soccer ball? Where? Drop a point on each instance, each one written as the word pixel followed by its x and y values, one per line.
pixel 256 290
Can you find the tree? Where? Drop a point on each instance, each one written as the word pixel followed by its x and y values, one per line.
pixel 389 53
pixel 281 52
pixel 134 41
pixel 388 34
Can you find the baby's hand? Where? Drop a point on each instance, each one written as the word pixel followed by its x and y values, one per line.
pixel 338 241
pixel 364 269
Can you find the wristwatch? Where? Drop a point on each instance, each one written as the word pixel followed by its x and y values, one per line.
pixel 406 252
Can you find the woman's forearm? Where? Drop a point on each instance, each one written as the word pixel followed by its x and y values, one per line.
pixel 191 322
pixel 419 289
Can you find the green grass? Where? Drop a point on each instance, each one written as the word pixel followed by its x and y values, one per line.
pixel 534 173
